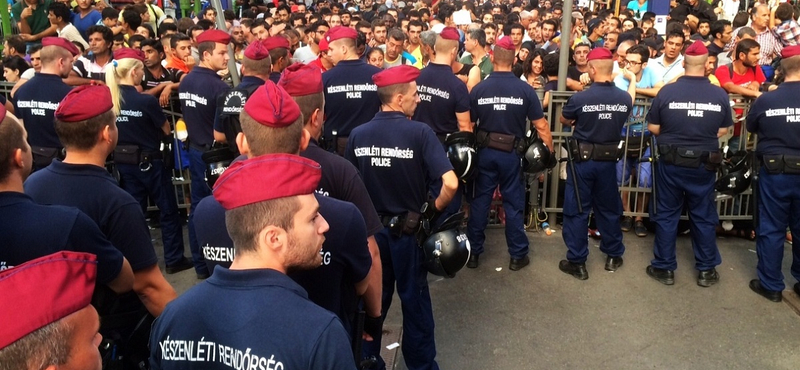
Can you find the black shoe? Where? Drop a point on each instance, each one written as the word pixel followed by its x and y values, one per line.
pixel 707 278
pixel 626 224
pixel 184 264
pixel 578 270
pixel 473 261
pixel 518 264
pixel 666 277
pixel 613 263
pixel 203 275
pixel 639 229
pixel 772 295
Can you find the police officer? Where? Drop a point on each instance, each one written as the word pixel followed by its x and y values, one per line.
pixel 138 158
pixel 279 55
pixel 198 94
pixel 272 123
pixel 444 100
pixel 253 311
pixel 61 333
pixel 502 105
pixel 37 100
pixel 31 230
pixel 688 116
pixel 773 116
pixel 349 91
pixel 85 124
pixel 397 170
pixel 598 115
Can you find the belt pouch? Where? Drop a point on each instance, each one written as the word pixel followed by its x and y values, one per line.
pixel 126 154
pixel 773 164
pixel 714 161
pixel 791 164
pixel 411 224
pixel 501 142
pixel 585 151
pixel 605 153
pixel 42 157
pixel 687 157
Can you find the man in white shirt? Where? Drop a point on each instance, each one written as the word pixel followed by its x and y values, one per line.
pixel 59 16
pixel 670 65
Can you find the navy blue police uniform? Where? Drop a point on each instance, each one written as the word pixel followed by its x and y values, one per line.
pixel 690 113
pixel 31 231
pixel 35 104
pixel 774 116
pixel 398 170
pixel 198 94
pixel 345 257
pixel 501 104
pixel 140 125
pixel 599 114
pixel 294 334
pixel 250 83
pixel 441 96
pixel 351 99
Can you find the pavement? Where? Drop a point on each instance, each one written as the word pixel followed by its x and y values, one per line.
pixel 541 318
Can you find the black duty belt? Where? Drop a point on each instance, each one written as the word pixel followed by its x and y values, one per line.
pixel 407 223
pixel 199 147
pixel 781 164
pixel 691 158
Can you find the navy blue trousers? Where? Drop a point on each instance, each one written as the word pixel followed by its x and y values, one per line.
pixel 694 187
pixel 497 167
pixel 599 192
pixel 157 183
pixel 200 190
pixel 402 268
pixel 778 208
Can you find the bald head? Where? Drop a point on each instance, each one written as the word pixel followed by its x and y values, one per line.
pixel 695 65
pixel 602 69
pixel 444 45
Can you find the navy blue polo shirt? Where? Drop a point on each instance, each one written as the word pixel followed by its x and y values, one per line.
pixel 599 112
pixel 397 169
pixel 351 98
pixel 140 119
pixel 346 259
pixel 441 96
pixel 198 93
pixel 167 75
pixel 92 190
pixel 258 317
pixel 248 82
pixel 275 77
pixel 340 180
pixel 775 117
pixel 690 112
pixel 504 103
pixel 31 231
pixel 35 103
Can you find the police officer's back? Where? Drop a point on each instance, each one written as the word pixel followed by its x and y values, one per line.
pixel 503 105
pixel 774 116
pixel 598 115
pixel 349 91
pixel 688 117
pixel 36 101
pixel 397 170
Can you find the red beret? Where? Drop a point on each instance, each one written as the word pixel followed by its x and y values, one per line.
pixel 340 32
pixel 123 53
pixel 276 42
pixel 599 54
pixel 62 42
pixel 272 106
pixel 505 43
pixel 300 79
pixel 84 102
pixel 323 45
pixel 450 33
pixel 790 51
pixel 256 50
pixel 214 36
pixel 696 49
pixel 401 74
pixel 266 177
pixel 44 290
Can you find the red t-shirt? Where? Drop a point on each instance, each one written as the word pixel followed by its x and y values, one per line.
pixel 723 74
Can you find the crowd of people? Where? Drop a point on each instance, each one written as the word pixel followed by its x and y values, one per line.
pixel 327 178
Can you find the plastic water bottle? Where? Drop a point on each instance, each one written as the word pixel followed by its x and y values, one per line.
pixel 547 229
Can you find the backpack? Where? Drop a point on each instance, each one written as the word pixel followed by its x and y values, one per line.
pixel 230 105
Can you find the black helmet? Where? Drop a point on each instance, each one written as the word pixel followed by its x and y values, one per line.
pixel 538 157
pixel 217 161
pixel 446 252
pixel 462 154
pixel 735 175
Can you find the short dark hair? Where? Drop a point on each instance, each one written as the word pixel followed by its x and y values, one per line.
pixel 203 47
pixel 163 28
pixel 205 24
pixel 718 27
pixel 173 43
pixel 386 93
pixel 110 12
pixel 60 10
pixel 550 65
pixel 479 35
pixel 675 33
pixel 134 39
pixel 551 22
pixel 16 42
pixel 396 33
pixel 108 35
pixel 83 135
pixel 131 18
pixel 155 44
pixel 744 46
pixel 642 50
pixel 245 223
pixel 11 138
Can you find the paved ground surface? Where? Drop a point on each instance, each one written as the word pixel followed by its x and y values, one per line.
pixel 540 318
